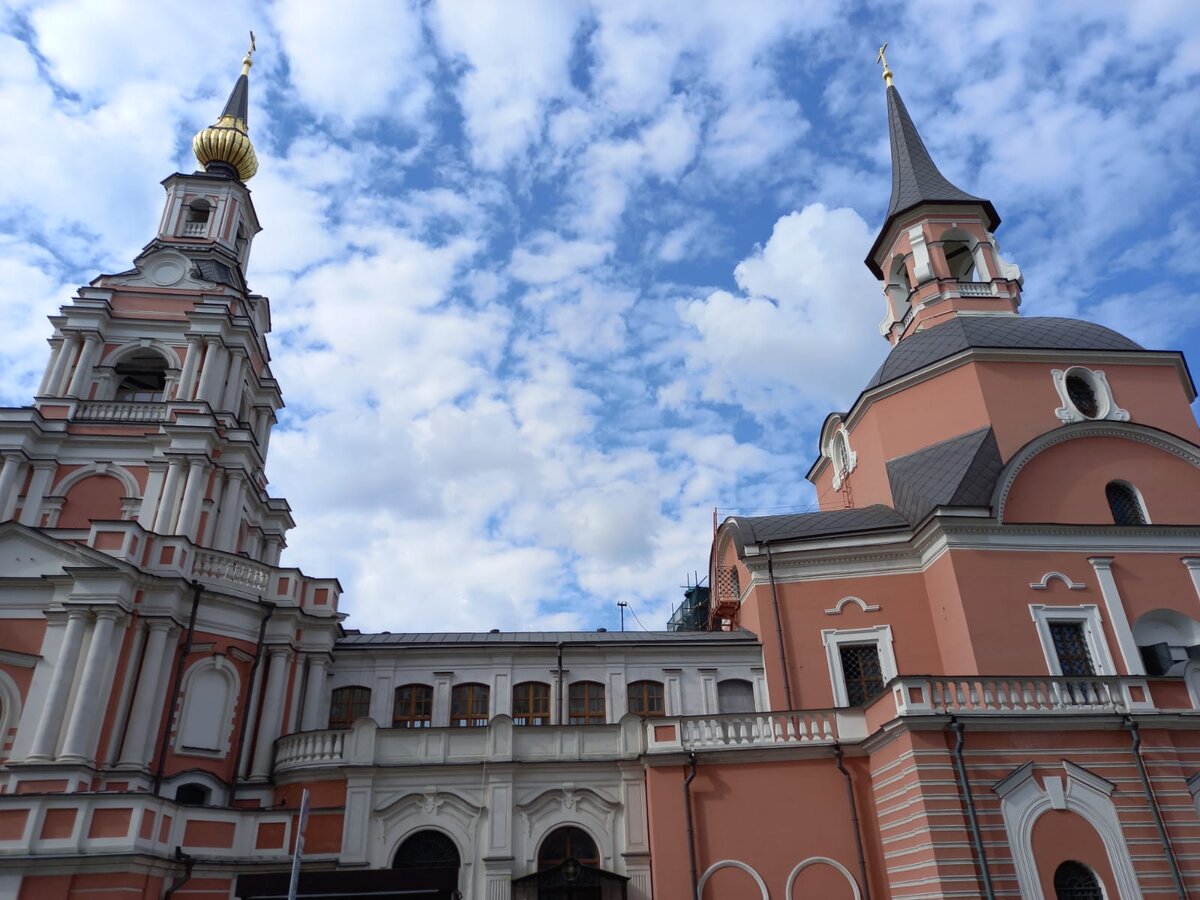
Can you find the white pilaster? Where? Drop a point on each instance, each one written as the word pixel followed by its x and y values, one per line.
pixel 142 717
pixel 79 744
pixel 212 377
pixel 164 516
pixel 8 481
pixel 45 738
pixel 314 694
pixel 1116 614
pixel 83 369
pixel 57 381
pixel 1193 567
pixel 271 549
pixel 51 366
pixel 193 493
pixel 154 486
pixel 272 712
pixel 191 364
pixel 231 399
pixel 230 515
pixel 31 509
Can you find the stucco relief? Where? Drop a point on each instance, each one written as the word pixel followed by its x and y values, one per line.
pixel 1044 583
pixel 570 805
pixel 825 861
pixel 836 609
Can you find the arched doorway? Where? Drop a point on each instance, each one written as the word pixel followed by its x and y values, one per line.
pixel 431 860
pixel 568 868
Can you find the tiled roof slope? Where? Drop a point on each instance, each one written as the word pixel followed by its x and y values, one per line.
pixel 959 472
pixel 758 529
pixel 1007 332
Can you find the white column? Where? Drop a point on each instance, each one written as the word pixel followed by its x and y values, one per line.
pixel 66 355
pixel 243 761
pixel 271 549
pixel 272 712
pixel 142 716
pixel 210 523
pixel 1193 567
pixel 191 364
pixel 31 509
pixel 88 710
pixel 1116 615
pixel 233 387
pixel 314 691
pixel 212 378
pixel 83 369
pixel 158 701
pixel 193 493
pixel 51 366
pixel 230 516
pixel 45 738
pixel 8 480
pixel 154 485
pixel 170 493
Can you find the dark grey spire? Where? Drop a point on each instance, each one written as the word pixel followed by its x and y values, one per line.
pixel 915 177
pixel 238 104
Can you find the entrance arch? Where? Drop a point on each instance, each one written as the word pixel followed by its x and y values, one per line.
pixel 430 859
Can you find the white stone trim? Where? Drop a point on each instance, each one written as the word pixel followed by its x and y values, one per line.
pixel 1132 656
pixel 1022 802
pixel 821 860
pixel 1044 583
pixel 836 609
pixel 118 353
pixel 10 710
pixel 1096 379
pixel 834 638
pixel 731 864
pixel 233 684
pixel 123 475
pixel 840 472
pixel 1093 632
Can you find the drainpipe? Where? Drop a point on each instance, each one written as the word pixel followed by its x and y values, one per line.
pixel 964 786
pixel 258 653
pixel 691 832
pixel 787 683
pixel 1163 837
pixel 188 863
pixel 197 588
pixel 858 844
pixel 558 685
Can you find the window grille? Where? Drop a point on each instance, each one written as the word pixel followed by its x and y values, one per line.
pixel 1075 881
pixel 414 706
pixel 469 705
pixel 566 843
pixel 1070 645
pixel 427 850
pixel 646 699
pixel 862 672
pixel 531 703
pixel 347 704
pixel 1083 396
pixel 586 703
pixel 1124 503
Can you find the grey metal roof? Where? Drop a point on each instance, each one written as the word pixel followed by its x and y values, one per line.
pixel 238 104
pixel 211 270
pixel 548 638
pixel 759 529
pixel 959 472
pixel 915 177
pixel 1006 332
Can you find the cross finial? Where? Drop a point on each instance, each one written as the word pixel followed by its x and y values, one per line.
pixel 882 60
pixel 248 62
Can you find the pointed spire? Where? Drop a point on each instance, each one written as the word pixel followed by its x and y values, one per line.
pixel 225 148
pixel 916 179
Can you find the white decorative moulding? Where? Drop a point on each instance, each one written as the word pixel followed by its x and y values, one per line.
pixel 1106 406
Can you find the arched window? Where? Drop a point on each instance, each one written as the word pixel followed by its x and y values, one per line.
pixel 210 692
pixel 959 260
pixel 434 854
pixel 735 695
pixel 141 377
pixel 348 704
pixel 531 703
pixel 586 703
pixel 198 211
pixel 192 794
pixel 566 843
pixel 1082 394
pixel 1126 505
pixel 413 707
pixel 646 699
pixel 1075 881
pixel 469 705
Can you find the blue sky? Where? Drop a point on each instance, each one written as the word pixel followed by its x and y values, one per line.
pixel 551 280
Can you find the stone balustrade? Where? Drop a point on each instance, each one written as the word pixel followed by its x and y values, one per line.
pixel 122 411
pixel 976 289
pixel 1022 695
pixel 228 570
pixel 758 729
pixel 310 748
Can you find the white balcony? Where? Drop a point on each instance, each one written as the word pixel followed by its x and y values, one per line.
pixel 230 571
pixel 119 411
pixel 1017 695
pixel 819 727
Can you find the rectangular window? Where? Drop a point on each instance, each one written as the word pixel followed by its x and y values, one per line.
pixel 861 672
pixel 414 706
pixel 646 699
pixel 531 703
pixel 469 705
pixel 1071 647
pixel 586 703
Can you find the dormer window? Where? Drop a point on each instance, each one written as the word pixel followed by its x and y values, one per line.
pixel 1086 396
pixel 844 459
pixel 142 378
pixel 196 220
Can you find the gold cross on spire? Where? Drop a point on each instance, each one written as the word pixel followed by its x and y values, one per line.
pixel 247 62
pixel 882 60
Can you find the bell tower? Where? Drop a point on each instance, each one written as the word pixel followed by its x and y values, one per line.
pixel 936 253
pixel 157 402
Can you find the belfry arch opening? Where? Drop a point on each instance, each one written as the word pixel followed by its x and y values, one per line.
pixel 141 377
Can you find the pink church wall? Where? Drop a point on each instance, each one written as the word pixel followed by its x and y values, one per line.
pixel 1061 835
pixel 95 497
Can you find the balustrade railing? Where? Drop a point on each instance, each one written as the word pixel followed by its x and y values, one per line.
pixel 742 729
pixel 236 571
pixel 996 695
pixel 194 228
pixel 975 288
pixel 310 748
pixel 119 411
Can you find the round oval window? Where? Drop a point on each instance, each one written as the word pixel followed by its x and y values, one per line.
pixel 1083 395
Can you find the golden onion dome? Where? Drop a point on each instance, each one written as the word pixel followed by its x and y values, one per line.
pixel 225 147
